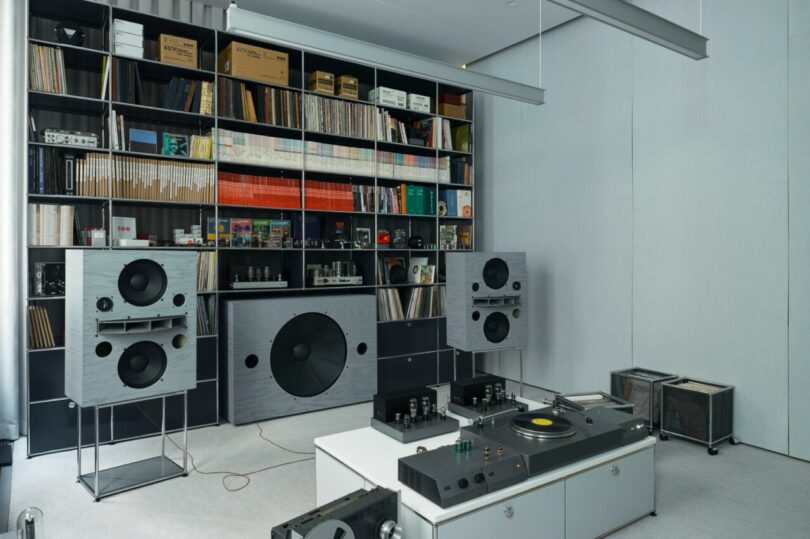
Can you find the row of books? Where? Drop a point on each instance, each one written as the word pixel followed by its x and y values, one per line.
pixel 50 224
pixel 423 302
pixel 325 157
pixel 272 106
pixel 339 117
pixel 455 237
pixel 40 332
pixel 157 179
pixel 189 95
pixel 46 69
pixel 460 171
pixel 206 315
pixel 206 271
pixel 390 129
pixel 126 82
pixel 264 191
pixel 412 167
pixel 407 199
pixel 455 202
pixel 234 146
pixel 335 196
pixel 248 233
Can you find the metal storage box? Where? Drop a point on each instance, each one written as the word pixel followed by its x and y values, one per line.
pixel 699 411
pixel 642 387
pixel 598 398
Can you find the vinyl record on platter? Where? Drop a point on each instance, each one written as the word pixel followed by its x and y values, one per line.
pixel 308 354
pixel 542 425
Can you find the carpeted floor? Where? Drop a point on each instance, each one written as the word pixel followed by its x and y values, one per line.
pixel 743 493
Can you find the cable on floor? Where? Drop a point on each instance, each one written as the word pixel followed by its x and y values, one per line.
pixel 230 475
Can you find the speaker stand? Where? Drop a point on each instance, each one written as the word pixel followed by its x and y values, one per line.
pixel 103 483
pixel 499 350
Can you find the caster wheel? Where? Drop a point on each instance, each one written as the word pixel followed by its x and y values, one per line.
pixel 95 500
pixel 663 437
pixel 733 441
pixel 650 431
pixel 185 474
pixel 712 451
pixel 654 514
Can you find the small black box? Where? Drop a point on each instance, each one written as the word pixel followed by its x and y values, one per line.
pixel 463 391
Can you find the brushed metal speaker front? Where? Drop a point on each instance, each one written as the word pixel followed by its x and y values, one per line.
pixel 486 307
pixel 292 355
pixel 131 324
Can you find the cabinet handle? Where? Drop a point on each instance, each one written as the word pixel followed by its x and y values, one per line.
pixel 508 512
pixel 615 470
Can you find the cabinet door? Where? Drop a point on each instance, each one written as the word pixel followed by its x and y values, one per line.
pixel 610 496
pixel 539 514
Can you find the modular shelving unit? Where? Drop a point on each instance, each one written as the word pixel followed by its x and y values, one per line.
pixel 410 352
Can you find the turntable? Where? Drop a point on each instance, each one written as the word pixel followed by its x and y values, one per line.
pixel 542 425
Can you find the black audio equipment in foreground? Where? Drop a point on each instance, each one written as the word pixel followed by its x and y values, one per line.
pixel 360 515
pixel 411 415
pixel 513 447
pixel 482 396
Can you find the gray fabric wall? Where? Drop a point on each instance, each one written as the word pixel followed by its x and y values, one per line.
pixel 652 194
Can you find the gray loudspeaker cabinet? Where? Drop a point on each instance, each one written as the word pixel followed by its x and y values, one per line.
pixel 486 307
pixel 130 324
pixel 291 355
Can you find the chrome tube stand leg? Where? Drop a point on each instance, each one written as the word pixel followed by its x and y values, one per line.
pixel 520 359
pixel 95 475
pixel 163 427
pixel 455 364
pixel 78 442
pixel 185 432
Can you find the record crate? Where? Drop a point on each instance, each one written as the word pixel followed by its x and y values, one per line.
pixel 642 387
pixel 593 399
pixel 699 411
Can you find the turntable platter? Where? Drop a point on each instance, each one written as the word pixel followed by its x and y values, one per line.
pixel 542 425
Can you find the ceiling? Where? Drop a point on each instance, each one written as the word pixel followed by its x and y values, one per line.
pixel 453 31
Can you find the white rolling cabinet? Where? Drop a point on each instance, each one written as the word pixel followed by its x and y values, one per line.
pixel 539 514
pixel 607 497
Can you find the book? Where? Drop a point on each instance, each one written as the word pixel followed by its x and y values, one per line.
pixel 415 269
pixel 176 145
pixel 339 117
pixel 123 228
pixel 219 230
pixel 260 191
pixel 50 224
pixel 146 178
pixel 142 140
pixel 447 237
pixel 241 232
pixel 46 69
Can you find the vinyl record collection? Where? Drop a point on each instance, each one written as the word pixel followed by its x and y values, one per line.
pixel 272 106
pixel 206 271
pixel 40 334
pixel 157 179
pixel 207 315
pixel 339 117
pixel 46 69
pixel 49 224
pixel 423 302
pixel 186 95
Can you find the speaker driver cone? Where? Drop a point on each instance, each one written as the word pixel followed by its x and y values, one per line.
pixel 142 282
pixel 142 364
pixel 308 354
pixel 496 327
pixel 496 273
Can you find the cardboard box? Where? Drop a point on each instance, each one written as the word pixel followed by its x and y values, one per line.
pixel 257 63
pixel 388 97
pixel 419 103
pixel 452 99
pixel 348 86
pixel 176 50
pixel 453 111
pixel 322 82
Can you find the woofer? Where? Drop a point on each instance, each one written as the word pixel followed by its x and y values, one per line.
pixel 142 364
pixel 142 282
pixel 496 273
pixel 496 327
pixel 308 354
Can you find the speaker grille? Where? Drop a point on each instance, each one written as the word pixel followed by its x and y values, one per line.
pixel 308 354
pixel 142 282
pixel 496 327
pixel 142 364
pixel 496 273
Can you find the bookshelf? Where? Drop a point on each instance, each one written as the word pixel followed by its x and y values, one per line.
pixel 410 351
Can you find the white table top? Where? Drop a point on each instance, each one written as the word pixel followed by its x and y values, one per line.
pixel 374 456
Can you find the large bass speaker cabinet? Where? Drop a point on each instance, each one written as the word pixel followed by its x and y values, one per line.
pixel 131 324
pixel 298 354
pixel 486 308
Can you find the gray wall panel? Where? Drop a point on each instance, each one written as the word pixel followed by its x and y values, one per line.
pixel 799 177
pixel 556 182
pixel 710 208
pixel 653 192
